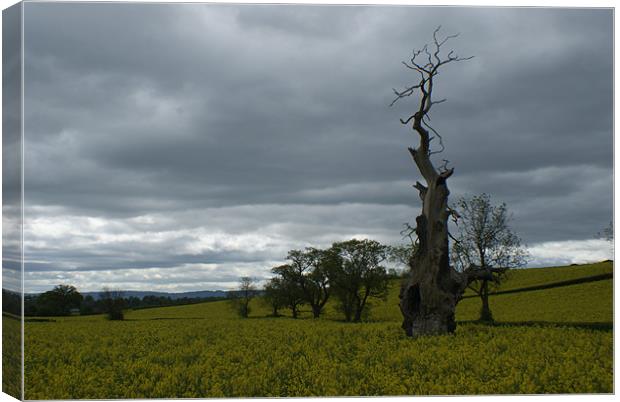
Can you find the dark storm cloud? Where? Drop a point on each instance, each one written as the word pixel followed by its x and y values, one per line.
pixel 11 149
pixel 266 117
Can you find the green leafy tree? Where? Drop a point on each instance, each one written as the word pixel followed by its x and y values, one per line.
pixel 240 299
pixel 274 296
pixel 88 305
pixel 311 269
pixel 112 303
pixel 59 301
pixel 287 287
pixel 485 242
pixel 401 255
pixel 359 276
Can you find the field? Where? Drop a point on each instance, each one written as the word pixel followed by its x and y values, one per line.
pixel 556 340
pixel 11 355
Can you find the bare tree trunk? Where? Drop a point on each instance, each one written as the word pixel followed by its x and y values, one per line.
pixel 429 296
pixel 485 310
pixel 348 313
pixel 358 314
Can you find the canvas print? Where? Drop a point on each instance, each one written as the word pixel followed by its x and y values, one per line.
pixel 272 200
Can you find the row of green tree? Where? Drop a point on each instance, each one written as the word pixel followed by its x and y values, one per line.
pixel 353 272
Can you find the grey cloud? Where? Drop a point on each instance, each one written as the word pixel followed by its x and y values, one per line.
pixel 183 278
pixel 546 202
pixel 248 116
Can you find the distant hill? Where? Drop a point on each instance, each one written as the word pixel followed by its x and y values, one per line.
pixel 200 294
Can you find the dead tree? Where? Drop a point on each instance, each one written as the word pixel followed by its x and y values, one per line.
pixel 428 297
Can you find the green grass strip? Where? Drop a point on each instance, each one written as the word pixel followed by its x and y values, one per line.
pixel 576 281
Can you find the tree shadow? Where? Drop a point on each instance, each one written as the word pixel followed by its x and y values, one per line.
pixel 165 318
pixel 597 326
pixel 39 320
pixel 282 317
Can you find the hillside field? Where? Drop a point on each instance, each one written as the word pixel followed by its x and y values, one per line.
pixel 555 340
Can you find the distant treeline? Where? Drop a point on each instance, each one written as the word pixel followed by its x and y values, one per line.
pixel 164 301
pixel 11 302
pixel 66 300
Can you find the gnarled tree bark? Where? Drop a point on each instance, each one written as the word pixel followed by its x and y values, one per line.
pixel 429 296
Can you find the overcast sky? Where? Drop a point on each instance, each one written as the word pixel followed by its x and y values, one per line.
pixel 179 147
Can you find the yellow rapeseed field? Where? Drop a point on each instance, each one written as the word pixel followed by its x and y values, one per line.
pixel 544 345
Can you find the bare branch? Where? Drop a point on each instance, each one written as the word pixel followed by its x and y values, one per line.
pixel 444 165
pixel 436 134
pixel 453 238
pixel 447 38
pixel 446 173
pixel 409 231
pixel 414 67
pixel 428 55
pixel 426 62
pixel 455 217
pixel 405 92
pixel 421 188
pixel 408 120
